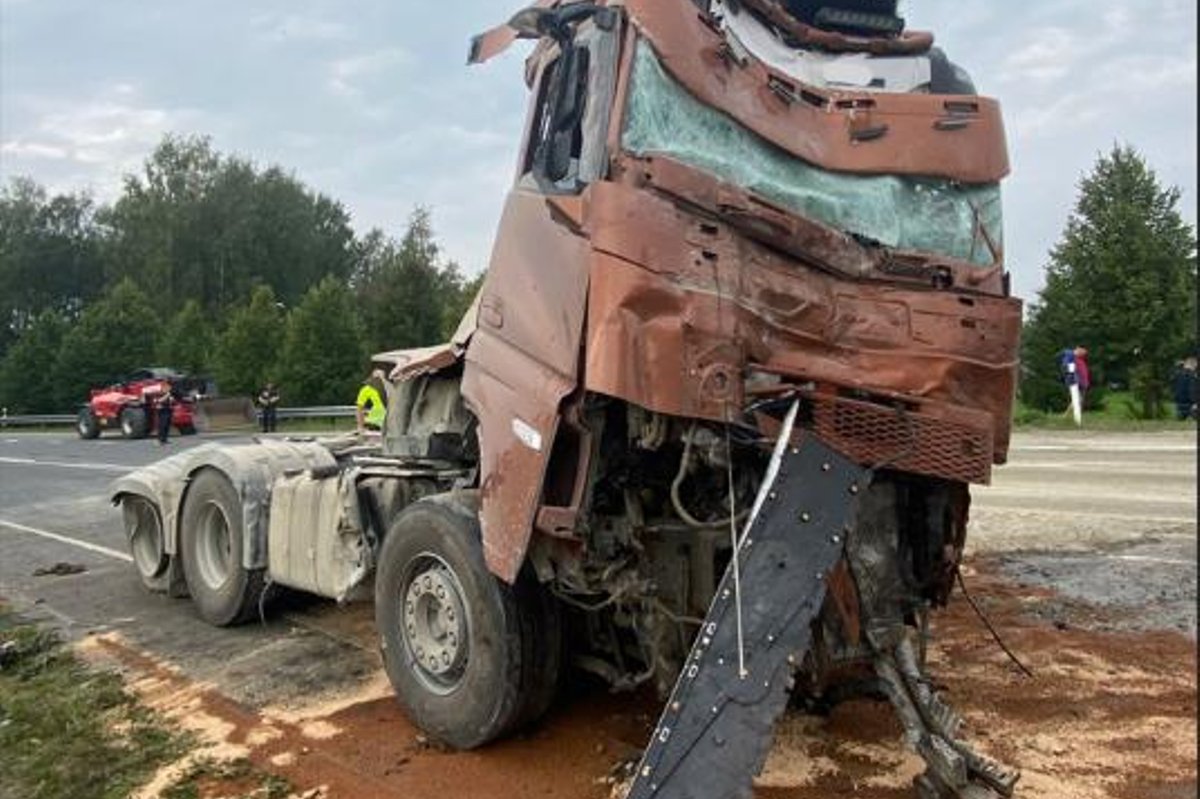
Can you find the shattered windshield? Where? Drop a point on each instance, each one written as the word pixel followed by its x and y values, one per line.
pixel 925 214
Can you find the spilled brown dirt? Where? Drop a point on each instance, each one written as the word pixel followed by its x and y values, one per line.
pixel 1106 716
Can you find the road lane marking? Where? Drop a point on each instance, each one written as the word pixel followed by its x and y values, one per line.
pixel 1008 509
pixel 1103 447
pixel 75 542
pixel 1149 559
pixel 92 467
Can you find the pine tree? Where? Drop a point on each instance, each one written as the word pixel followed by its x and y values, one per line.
pixel 1121 282
pixel 402 290
pixel 324 359
pixel 188 341
pixel 247 351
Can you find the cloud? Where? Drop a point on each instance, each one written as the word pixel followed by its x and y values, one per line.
pixel 96 140
pixel 346 75
pixel 284 28
pixel 1050 54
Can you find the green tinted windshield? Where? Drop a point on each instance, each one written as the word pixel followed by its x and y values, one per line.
pixel 929 215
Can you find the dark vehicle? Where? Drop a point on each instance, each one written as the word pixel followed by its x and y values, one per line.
pixel 744 342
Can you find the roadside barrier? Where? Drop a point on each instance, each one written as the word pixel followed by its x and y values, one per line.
pixel 64 419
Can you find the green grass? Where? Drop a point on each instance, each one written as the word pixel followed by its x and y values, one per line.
pixel 67 730
pixel 1118 411
pixel 70 731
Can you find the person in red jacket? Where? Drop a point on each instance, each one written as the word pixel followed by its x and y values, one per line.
pixel 1082 373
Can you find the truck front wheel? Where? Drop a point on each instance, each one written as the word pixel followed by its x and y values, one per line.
pixel 225 592
pixel 468 655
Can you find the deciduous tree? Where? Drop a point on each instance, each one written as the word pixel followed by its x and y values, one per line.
pixel 49 255
pixel 113 336
pixel 27 370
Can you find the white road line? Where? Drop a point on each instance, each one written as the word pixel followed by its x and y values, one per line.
pixel 1148 559
pixel 75 542
pixel 1025 510
pixel 1102 447
pixel 92 467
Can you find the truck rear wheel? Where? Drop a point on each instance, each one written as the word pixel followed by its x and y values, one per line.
pixel 225 592
pixel 87 424
pixel 134 423
pixel 470 657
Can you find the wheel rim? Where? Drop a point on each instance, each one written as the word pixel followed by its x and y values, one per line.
pixel 127 425
pixel 146 542
pixel 84 427
pixel 214 546
pixel 434 623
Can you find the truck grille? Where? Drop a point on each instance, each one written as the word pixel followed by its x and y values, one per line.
pixel 905 440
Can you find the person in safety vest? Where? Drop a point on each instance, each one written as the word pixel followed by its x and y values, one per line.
pixel 371 409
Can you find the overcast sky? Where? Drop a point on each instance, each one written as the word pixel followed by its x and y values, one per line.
pixel 371 103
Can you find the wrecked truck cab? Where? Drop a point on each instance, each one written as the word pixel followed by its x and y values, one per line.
pixel 744 342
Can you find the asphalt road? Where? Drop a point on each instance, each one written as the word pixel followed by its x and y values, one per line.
pixel 54 509
pixel 1109 518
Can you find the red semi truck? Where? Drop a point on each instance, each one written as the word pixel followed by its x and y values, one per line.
pixel 745 340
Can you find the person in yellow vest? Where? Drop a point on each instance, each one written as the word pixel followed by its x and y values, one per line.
pixel 371 409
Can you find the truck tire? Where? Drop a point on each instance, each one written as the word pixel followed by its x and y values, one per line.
pixel 224 591
pixel 134 423
pixel 470 657
pixel 87 424
pixel 147 545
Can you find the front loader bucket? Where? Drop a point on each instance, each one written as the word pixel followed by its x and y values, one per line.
pixel 225 413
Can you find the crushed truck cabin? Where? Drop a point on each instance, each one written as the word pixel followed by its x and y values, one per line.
pixel 744 342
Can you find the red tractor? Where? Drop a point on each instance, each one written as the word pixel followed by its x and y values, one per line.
pixel 132 404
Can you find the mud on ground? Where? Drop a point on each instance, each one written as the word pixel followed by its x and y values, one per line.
pixel 1109 714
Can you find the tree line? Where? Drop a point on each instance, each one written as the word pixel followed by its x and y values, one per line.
pixel 214 266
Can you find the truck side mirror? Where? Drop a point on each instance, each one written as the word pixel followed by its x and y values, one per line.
pixel 531 23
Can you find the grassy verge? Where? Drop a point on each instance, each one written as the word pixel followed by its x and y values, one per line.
pixel 1118 412
pixel 66 730
pixel 69 731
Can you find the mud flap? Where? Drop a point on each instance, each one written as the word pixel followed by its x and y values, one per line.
pixel 714 735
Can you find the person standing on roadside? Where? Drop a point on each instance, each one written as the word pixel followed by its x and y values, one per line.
pixel 1067 369
pixel 1183 387
pixel 370 409
pixel 1083 374
pixel 268 404
pixel 164 409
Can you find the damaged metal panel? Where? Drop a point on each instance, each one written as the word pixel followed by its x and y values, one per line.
pixel 316 540
pixel 683 311
pixel 823 127
pixel 522 361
